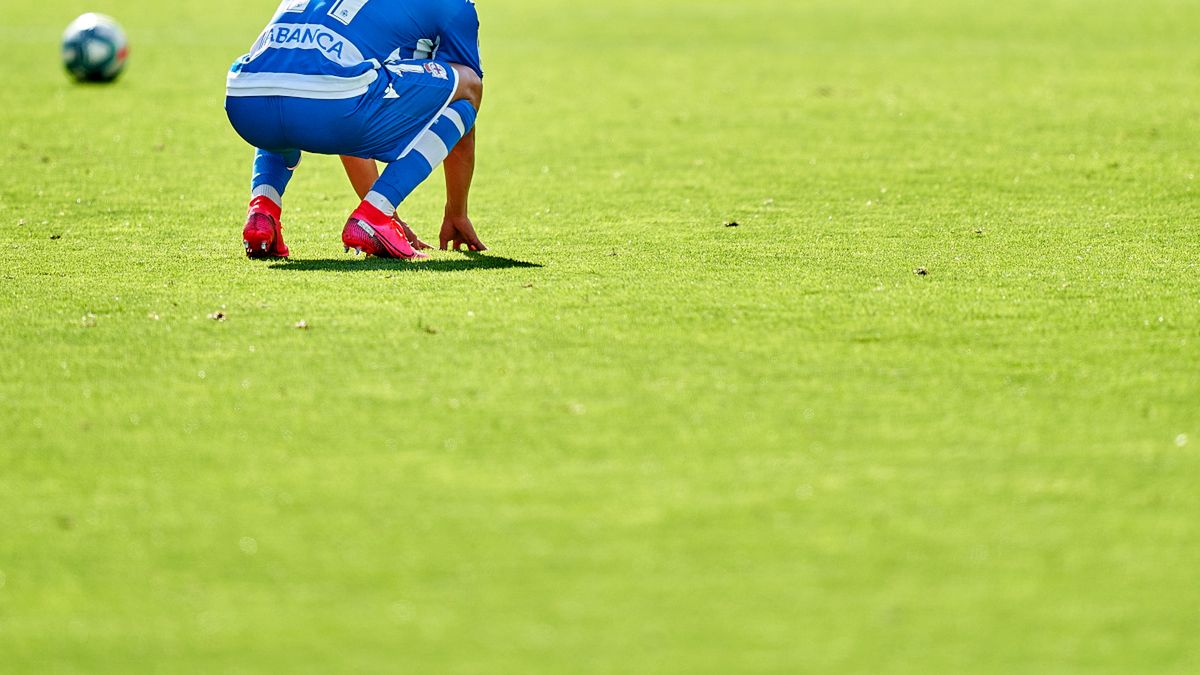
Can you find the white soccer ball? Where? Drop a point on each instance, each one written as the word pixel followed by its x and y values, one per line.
pixel 94 48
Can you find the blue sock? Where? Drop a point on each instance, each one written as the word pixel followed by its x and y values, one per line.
pixel 272 171
pixel 427 151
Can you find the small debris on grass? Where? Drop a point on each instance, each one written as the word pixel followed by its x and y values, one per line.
pixel 89 320
pixel 921 272
pixel 979 230
pixel 217 316
pixel 55 237
pixel 21 222
pixel 301 325
pixel 528 285
pixel 152 316
pixel 613 254
pixel 733 223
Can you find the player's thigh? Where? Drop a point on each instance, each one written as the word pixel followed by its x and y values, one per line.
pixel 330 127
pixel 326 127
pixel 402 104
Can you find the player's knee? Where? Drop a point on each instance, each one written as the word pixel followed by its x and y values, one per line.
pixel 470 85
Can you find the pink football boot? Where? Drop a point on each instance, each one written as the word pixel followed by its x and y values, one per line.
pixel 263 235
pixel 371 231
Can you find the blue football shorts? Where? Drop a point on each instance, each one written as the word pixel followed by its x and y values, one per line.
pixel 381 124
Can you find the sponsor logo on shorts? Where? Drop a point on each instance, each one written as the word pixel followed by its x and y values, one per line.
pixel 437 70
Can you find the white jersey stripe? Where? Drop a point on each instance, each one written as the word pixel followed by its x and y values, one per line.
pixel 300 86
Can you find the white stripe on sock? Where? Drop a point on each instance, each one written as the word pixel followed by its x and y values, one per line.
pixel 432 148
pixel 380 202
pixel 268 192
pixel 452 115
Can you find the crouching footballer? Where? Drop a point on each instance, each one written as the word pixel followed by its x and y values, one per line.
pixel 394 81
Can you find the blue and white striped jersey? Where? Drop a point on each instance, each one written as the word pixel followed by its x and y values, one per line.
pixel 332 49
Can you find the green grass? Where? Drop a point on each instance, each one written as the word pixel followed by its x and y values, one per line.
pixel 662 445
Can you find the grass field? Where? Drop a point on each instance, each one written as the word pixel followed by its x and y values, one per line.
pixel 628 439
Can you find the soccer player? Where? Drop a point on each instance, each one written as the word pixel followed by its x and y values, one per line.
pixel 398 81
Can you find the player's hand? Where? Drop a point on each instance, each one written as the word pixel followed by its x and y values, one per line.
pixel 457 231
pixel 412 236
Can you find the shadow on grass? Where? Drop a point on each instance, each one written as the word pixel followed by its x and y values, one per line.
pixel 470 261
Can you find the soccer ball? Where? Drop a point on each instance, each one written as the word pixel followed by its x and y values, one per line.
pixel 94 48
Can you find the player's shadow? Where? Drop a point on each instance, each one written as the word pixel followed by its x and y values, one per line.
pixel 470 261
